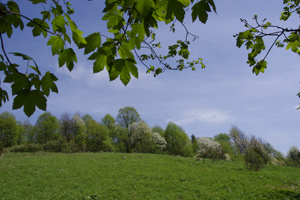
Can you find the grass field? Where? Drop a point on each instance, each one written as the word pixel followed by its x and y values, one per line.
pixel 139 176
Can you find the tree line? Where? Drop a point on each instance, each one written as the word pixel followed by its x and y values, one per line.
pixel 127 133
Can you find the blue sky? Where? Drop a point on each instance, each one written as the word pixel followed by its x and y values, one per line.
pixel 204 102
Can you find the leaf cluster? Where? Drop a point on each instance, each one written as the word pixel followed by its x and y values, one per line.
pixel 132 26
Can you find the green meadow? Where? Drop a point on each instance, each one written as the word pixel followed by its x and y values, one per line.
pixel 139 176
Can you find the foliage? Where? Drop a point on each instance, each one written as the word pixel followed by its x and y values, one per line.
pixel 256 155
pixel 132 23
pixel 127 116
pixel 9 130
pixel 209 149
pixel 97 137
pixel 195 145
pixel 253 37
pixel 222 137
pixel 59 145
pixel 157 129
pixel 228 149
pixel 239 138
pixel 159 141
pixel 293 157
pixel 294 153
pixel 79 133
pixel 178 142
pixel 26 148
pixel 46 128
pixel 141 137
pixel 109 121
pixel 67 126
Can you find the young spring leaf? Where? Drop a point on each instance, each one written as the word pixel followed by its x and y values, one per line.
pixel 93 41
pixel 56 43
pixel 48 84
pixel 67 57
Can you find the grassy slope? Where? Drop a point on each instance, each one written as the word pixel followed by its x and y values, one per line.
pixel 109 176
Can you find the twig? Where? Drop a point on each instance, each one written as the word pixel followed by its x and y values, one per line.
pixel 3 49
pixel 7 11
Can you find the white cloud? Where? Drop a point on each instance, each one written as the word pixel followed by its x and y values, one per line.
pixel 204 115
pixel 83 72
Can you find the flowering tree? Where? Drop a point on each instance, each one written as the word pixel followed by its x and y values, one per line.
pixel 159 141
pixel 79 131
pixel 141 136
pixel 208 148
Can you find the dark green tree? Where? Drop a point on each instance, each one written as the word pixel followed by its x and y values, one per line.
pixel 9 130
pixel 46 128
pixel 178 143
pixel 97 137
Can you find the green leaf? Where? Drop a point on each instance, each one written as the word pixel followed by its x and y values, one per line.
pixel 124 51
pixel 200 10
pixel 100 62
pixel 57 44
pixel 48 84
pixel 67 57
pixel 3 96
pixel 38 1
pixel 30 99
pixel 93 41
pixel 260 67
pixel 212 4
pixel 77 38
pixel 58 23
pixel 39 27
pixel 175 8
pixel 19 82
pixel 72 24
pixel 35 69
pixel 123 67
pixel 138 29
pixel 115 21
pixel 144 6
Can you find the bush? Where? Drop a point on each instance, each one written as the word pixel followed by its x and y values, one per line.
pixel 209 149
pixel 293 157
pixel 59 145
pixel 256 155
pixel 26 148
pixel 293 153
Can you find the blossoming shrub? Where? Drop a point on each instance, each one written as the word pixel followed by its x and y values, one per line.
pixel 209 149
pixel 160 143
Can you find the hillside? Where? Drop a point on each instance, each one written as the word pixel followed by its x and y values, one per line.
pixel 139 176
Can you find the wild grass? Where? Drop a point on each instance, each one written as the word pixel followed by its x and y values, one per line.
pixel 139 176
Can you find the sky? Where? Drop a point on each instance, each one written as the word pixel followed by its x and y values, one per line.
pixel 204 102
